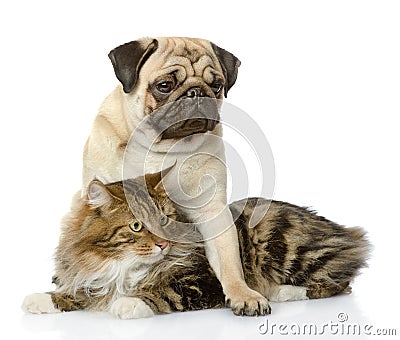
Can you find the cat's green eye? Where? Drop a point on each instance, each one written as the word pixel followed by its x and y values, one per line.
pixel 136 226
pixel 163 220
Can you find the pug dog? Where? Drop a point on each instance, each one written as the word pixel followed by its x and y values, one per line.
pixel 165 112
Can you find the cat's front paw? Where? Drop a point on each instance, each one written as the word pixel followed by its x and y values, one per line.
pixel 130 308
pixel 289 293
pixel 248 302
pixel 39 303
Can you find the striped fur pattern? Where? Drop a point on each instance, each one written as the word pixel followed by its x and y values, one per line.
pixel 294 246
pixel 100 260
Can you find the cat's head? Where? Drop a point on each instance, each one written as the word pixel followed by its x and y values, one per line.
pixel 111 229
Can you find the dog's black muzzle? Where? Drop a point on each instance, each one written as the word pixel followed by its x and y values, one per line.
pixel 185 117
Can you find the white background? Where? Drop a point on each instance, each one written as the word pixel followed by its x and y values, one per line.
pixel 321 78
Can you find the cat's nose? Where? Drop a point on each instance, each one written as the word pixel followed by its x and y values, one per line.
pixel 162 244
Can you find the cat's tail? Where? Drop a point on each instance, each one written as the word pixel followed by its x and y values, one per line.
pixel 361 251
pixel 352 255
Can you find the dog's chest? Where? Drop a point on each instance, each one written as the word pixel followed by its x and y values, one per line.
pixel 190 156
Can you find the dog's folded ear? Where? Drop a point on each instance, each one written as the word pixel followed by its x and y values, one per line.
pixel 229 64
pixel 128 59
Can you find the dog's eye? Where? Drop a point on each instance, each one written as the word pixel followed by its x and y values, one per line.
pixel 136 226
pixel 165 86
pixel 217 87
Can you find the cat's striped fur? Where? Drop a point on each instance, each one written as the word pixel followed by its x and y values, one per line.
pixel 292 253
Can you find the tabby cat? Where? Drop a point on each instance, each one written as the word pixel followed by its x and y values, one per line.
pixel 107 260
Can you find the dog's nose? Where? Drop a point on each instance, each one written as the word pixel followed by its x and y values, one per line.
pixel 195 92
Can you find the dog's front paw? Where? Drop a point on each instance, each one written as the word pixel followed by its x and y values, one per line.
pixel 130 308
pixel 39 303
pixel 247 302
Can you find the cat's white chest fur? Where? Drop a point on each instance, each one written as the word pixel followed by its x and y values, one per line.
pixel 134 277
pixel 121 278
pixel 127 276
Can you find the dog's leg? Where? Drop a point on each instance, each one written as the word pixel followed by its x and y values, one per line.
pixel 223 254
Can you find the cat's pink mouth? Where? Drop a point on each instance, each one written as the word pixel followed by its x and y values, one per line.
pixel 162 245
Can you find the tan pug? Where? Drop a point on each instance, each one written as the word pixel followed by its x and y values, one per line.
pixel 167 112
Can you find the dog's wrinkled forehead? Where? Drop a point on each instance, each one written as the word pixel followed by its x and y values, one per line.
pixel 185 58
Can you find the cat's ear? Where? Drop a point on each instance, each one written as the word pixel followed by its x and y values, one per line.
pixel 98 195
pixel 154 181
